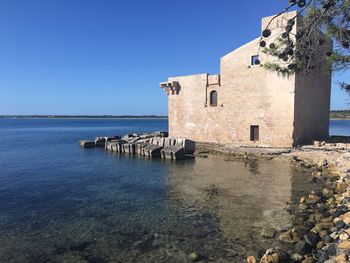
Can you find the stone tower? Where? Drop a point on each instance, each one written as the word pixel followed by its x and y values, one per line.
pixel 248 105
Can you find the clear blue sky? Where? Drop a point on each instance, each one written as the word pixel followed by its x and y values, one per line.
pixel 108 57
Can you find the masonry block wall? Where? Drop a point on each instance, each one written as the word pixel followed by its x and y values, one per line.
pixel 252 106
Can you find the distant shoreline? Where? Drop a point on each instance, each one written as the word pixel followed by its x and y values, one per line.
pixel 81 117
pixel 153 117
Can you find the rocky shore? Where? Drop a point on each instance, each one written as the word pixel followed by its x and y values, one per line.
pixel 324 216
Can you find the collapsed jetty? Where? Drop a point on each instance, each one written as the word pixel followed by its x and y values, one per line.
pixel 154 145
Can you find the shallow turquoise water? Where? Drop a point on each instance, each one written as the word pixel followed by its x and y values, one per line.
pixel 61 203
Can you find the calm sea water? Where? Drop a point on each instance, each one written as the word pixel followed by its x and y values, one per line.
pixel 340 127
pixel 61 203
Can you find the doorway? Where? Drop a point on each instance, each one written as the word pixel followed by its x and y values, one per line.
pixel 254 133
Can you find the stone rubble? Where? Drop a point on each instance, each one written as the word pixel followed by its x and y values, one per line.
pixel 156 144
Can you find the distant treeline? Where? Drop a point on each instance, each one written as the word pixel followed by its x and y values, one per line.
pixel 340 114
pixel 85 116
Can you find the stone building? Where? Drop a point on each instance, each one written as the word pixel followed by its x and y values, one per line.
pixel 248 105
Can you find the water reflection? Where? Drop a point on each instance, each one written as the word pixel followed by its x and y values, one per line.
pixel 245 196
pixel 133 209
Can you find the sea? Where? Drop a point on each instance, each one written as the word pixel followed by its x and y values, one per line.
pixel 62 203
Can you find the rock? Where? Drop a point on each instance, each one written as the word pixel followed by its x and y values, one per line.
pixel 268 232
pixel 322 256
pixel 312 238
pixel 334 235
pixel 302 200
pixel 323 163
pixel 275 255
pixel 339 224
pixel 343 236
pixel 345 216
pixel 296 257
pixel 312 199
pixel 195 256
pixel 341 258
pixel 327 193
pixel 322 226
pixel 341 187
pixel 331 249
pixel 322 234
pixel 344 245
pixel 251 259
pixel 290 237
pixel 327 239
pixel 308 259
pixel 320 245
pixel 302 247
pixel 347 252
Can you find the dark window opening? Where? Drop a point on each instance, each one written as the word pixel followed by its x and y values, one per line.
pixel 254 133
pixel 213 98
pixel 255 60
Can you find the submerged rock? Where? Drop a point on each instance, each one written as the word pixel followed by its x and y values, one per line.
pixel 290 237
pixel 195 256
pixel 268 232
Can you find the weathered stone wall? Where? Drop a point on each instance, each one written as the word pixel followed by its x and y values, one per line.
pixel 249 95
pixel 312 101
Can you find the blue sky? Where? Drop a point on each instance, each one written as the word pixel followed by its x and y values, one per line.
pixel 108 57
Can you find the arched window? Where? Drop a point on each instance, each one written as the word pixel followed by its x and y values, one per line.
pixel 213 98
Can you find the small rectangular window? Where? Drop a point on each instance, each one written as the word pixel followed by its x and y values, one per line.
pixel 255 60
pixel 254 133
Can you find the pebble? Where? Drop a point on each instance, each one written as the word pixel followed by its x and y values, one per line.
pixel 344 245
pixel 302 247
pixel 341 258
pixel 343 236
pixel 312 238
pixel 251 259
pixel 296 257
pixel 194 256
pixel 331 250
pixel 308 259
pixel 339 224
pixel 327 239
